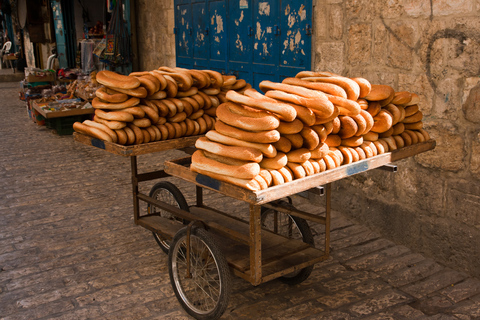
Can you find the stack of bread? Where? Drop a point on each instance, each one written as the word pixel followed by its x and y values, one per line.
pixel 305 125
pixel 156 105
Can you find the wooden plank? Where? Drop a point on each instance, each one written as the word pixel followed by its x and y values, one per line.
pixel 181 170
pixel 166 227
pixel 135 150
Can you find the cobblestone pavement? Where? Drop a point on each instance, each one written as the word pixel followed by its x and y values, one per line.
pixel 69 248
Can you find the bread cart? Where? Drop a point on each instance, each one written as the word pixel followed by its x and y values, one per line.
pixel 206 245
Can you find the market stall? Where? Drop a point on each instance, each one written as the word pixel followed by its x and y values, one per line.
pixel 239 153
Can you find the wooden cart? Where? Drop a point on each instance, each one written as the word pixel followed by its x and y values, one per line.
pixel 205 244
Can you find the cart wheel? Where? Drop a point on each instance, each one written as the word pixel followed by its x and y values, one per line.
pixel 290 227
pixel 166 192
pixel 205 294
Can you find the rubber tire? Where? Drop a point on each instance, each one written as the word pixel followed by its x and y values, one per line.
pixel 177 199
pixel 222 270
pixel 307 237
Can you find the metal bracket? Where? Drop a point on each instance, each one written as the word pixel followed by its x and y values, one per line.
pixel 388 167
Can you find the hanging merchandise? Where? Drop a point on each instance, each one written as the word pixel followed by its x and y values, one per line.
pixel 117 50
pixel 88 64
pixel 110 5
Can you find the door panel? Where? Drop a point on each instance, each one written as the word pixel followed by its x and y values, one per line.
pixel 200 34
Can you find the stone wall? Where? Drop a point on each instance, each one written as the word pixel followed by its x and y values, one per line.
pixel 430 47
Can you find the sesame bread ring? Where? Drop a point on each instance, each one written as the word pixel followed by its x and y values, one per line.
pixel 158 134
pixel 163 130
pixel 179 117
pixel 305 74
pixel 193 103
pixel 322 165
pixel 283 145
pixel 370 136
pixel 151 133
pixel 266 175
pixel 215 101
pixel 384 144
pixel 110 95
pixel 261 182
pixel 99 104
pixel 210 121
pixel 92 131
pixel 329 162
pixel 187 108
pixel 121 137
pixel 130 135
pixel 392 145
pixel 216 78
pixel 150 83
pixel 398 129
pixel 399 141
pixel 142 123
pixel 194 115
pixel 351 87
pixel 346 107
pixel 211 91
pixel 361 123
pixel 200 78
pixel 162 108
pixel 388 100
pixel 247 170
pixel 354 153
pixel 161 79
pixel 372 146
pixel 286 173
pixel 387 133
pixel 383 121
pixel 395 111
pixel 407 139
pixel 139 136
pixel 321 131
pixel 306 115
pixel 247 119
pixel 299 155
pixel 275 163
pixel 402 113
pixel 308 167
pixel 290 127
pixel 161 120
pixel 363 104
pixel 296 140
pixel 277 178
pixel 249 184
pixel 352 142
pixel 337 158
pixel 139 92
pixel 181 77
pixel 239 84
pixel 414 126
pixel 297 170
pixel 310 138
pixel 190 92
pixel 402 98
pixel 412 135
pixel 151 113
pixel 338 154
pixel 321 106
pixel 236 152
pixel 286 111
pixel 203 125
pixel 411 110
pixel 115 80
pixel 347 155
pixel 367 150
pixel 320 151
pixel 335 114
pixel 361 153
pixel 267 136
pixel 374 108
pixel 425 134
pixel 416 117
pixel 172 87
pixel 267 149
pixel 348 127
pixel 114 115
pixel 172 108
pixel 368 120
pixel 379 92
pixel 336 125
pixel 333 140
pixel 157 95
pixel 330 88
pixel 207 102
pixel 136 111
pixel 315 166
pixel 365 86
pixel 102 127
pixel 415 100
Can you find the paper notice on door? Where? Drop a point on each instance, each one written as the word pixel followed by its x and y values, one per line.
pixel 243 4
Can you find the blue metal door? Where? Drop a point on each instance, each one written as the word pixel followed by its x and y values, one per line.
pixel 60 36
pixel 254 39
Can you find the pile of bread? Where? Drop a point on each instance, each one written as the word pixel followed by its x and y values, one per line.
pixel 156 105
pixel 305 125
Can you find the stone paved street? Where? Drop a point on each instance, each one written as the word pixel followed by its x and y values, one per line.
pixel 69 248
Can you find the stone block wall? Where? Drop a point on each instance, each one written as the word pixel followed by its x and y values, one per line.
pixel 431 47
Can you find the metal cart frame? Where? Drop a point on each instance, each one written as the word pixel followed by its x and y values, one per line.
pixel 253 253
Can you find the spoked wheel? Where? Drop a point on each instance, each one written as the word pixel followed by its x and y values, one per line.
pixel 291 227
pixel 168 193
pixel 205 292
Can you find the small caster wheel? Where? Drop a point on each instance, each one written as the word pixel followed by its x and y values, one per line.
pixel 204 293
pixel 166 192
